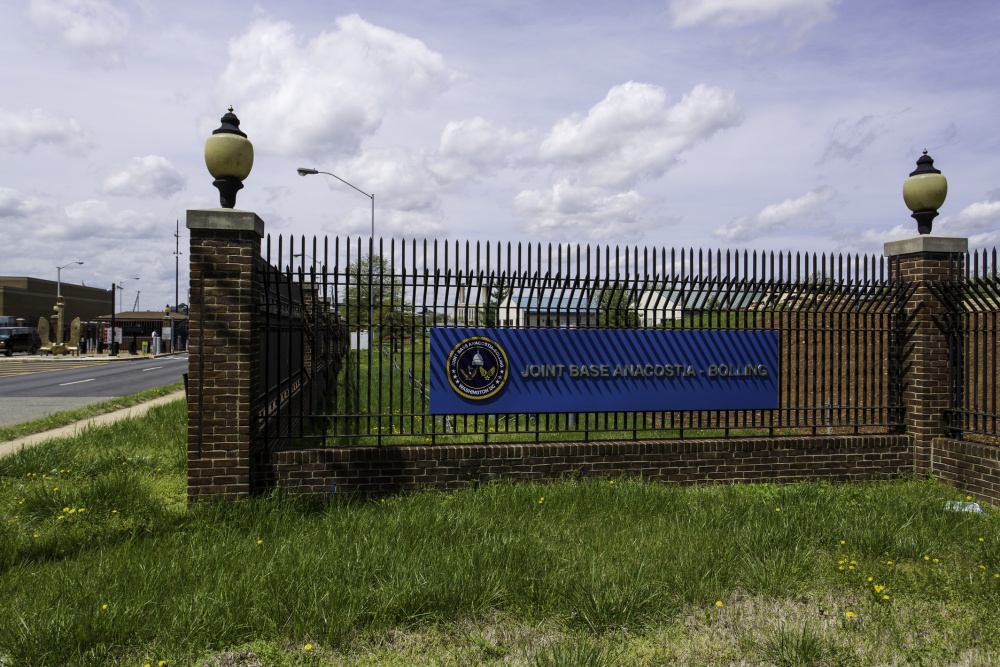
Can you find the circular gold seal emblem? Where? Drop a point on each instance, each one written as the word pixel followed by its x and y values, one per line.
pixel 477 368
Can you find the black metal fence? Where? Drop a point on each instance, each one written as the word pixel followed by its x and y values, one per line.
pixel 840 319
pixel 973 304
pixel 302 342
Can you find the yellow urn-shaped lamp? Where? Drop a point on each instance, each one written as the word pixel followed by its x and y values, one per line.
pixel 924 192
pixel 229 158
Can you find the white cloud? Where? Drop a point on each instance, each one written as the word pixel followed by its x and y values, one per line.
pixel 807 213
pixel 322 96
pixel 476 146
pixel 632 133
pixel 586 213
pixel 95 28
pixel 976 218
pixel 13 204
pixel 876 238
pixel 93 218
pixel 407 193
pixel 24 131
pixel 149 176
pixel 734 13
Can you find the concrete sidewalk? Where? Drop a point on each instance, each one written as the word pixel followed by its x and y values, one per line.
pixel 27 441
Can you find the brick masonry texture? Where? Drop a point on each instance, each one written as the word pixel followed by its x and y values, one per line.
pixel 393 469
pixel 223 362
pixel 972 466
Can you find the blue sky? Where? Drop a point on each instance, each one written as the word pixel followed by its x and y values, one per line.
pixel 757 124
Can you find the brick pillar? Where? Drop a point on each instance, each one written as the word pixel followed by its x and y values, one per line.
pixel 223 368
pixel 926 383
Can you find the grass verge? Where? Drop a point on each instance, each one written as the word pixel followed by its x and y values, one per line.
pixel 103 563
pixel 58 419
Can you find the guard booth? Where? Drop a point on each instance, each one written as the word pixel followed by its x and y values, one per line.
pixel 133 329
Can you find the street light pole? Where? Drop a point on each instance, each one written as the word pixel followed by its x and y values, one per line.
pixel 59 277
pixel 307 172
pixel 121 307
pixel 60 306
pixel 303 171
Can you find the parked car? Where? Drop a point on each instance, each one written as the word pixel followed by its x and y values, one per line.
pixel 19 339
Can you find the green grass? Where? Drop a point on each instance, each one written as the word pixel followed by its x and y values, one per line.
pixel 576 572
pixel 68 417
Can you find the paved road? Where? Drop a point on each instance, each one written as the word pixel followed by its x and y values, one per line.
pixel 32 389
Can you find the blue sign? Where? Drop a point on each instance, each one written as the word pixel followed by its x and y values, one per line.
pixel 494 371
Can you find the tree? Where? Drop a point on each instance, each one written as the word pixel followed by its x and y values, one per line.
pixel 499 294
pixel 372 289
pixel 617 307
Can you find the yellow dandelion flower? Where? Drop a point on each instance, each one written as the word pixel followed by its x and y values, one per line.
pixel 81 510
pixel 777 509
pixel 65 509
pixel 104 606
pixel 879 589
pixel 161 663
pixel 927 557
pixel 843 541
pixel 854 562
pixel 935 561
pixel 73 511
pixel 871 578
pixel 982 567
pixel 56 488
pixel 888 562
pixel 981 539
pixel 114 511
pixel 995 576
pixel 35 536
pixel 841 562
pixel 308 647
pixel 718 603
pixel 260 541
pixel 849 614
pixel 968 497
pixel 850 567
pixel 60 517
pixel 885 597
pixel 841 568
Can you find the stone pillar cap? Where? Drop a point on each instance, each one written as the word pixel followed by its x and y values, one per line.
pixel 225 219
pixel 926 243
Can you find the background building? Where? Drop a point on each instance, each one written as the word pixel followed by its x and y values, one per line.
pixel 31 298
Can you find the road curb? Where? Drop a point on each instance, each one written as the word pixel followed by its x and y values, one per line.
pixel 12 446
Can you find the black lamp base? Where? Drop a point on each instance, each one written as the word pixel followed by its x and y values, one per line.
pixel 228 187
pixel 924 220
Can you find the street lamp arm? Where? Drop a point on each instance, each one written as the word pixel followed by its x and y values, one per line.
pixel 59 277
pixel 306 172
pixel 303 171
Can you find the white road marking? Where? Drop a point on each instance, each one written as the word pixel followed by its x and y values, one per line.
pixel 151 369
pixel 63 384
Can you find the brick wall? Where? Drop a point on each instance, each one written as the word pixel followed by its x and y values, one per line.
pixel 925 378
pixel 392 469
pixel 971 466
pixel 224 355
